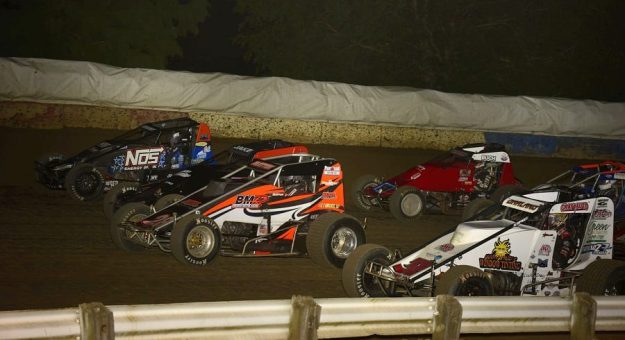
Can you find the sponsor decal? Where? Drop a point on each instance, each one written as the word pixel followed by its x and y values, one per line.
pixel 574 206
pixel 597 248
pixel 330 206
pixel 243 149
pixel 545 250
pixel 250 201
pixel 504 158
pixel 602 214
pixel 412 267
pixel 420 167
pixel 602 203
pixel 118 164
pixel 262 165
pixel 521 205
pixel 140 159
pixel 543 263
pixel 329 183
pixel 329 195
pixel 445 247
pixel 332 170
pixel 415 176
pixel 600 226
pixel 464 172
pixel 500 257
pixel 488 158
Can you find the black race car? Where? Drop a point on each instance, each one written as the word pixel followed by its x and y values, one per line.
pixel 148 153
pixel 168 190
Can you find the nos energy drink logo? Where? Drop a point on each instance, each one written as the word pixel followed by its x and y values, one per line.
pixel 139 159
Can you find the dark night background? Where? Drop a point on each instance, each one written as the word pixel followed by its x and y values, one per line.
pixel 555 48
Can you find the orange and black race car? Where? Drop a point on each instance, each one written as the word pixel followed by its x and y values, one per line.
pixel 290 205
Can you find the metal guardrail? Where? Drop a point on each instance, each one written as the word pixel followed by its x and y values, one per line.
pixel 443 317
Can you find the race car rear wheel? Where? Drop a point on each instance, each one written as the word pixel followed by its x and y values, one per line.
pixel 407 204
pixel 84 182
pixel 131 212
pixel 332 237
pixel 195 240
pixel 464 280
pixel 113 198
pixel 505 191
pixel 355 282
pixel 360 185
pixel 602 277
pixel 475 207
pixel 167 200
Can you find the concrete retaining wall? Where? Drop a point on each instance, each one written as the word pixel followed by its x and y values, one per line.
pixel 223 125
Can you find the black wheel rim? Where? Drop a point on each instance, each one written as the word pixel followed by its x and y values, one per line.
pixel 87 184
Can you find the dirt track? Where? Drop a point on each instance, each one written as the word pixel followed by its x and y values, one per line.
pixel 55 252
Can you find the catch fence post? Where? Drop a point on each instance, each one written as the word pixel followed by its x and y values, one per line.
pixel 305 316
pixel 447 318
pixel 583 317
pixel 96 322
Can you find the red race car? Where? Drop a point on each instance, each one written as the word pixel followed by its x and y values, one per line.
pixel 448 182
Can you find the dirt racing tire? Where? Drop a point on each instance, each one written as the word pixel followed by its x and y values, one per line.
pixel 355 283
pixel 505 191
pixel 464 280
pixel 407 204
pixel 602 277
pixel 166 200
pixel 332 237
pixel 195 240
pixel 111 202
pixel 360 184
pixel 475 207
pixel 130 212
pixel 84 182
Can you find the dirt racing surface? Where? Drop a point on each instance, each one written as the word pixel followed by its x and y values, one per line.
pixel 56 252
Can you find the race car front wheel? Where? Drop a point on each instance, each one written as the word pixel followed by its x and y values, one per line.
pixel 84 182
pixel 195 240
pixel 359 198
pixel 131 212
pixel 356 282
pixel 603 277
pixel 407 204
pixel 332 237
pixel 464 280
pixel 114 198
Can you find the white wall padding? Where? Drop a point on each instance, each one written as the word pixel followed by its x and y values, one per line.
pixel 43 80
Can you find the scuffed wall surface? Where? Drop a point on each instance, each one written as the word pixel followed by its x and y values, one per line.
pixel 55 116
pixel 48 116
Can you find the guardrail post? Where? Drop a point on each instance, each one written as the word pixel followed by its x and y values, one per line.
pixel 447 318
pixel 583 317
pixel 305 315
pixel 96 322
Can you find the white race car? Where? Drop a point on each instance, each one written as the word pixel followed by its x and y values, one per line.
pixel 544 243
